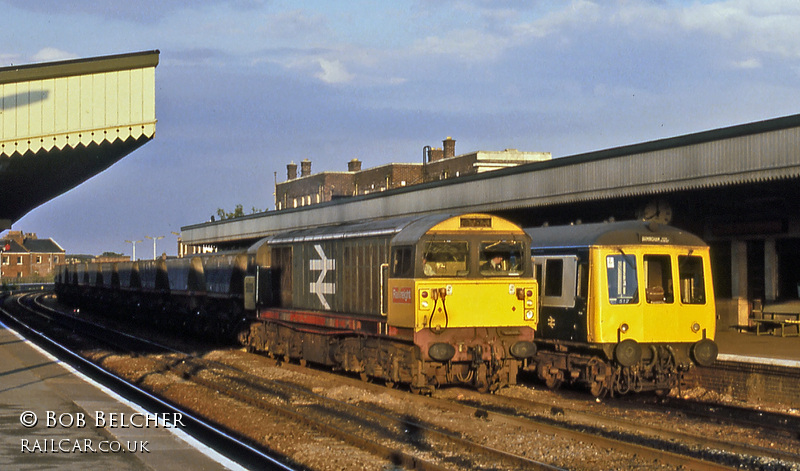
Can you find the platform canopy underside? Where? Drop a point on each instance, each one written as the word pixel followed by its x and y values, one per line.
pixel 31 179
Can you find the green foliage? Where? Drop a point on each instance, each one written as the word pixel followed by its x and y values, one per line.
pixel 237 212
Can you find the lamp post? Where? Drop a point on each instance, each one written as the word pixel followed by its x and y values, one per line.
pixel 155 238
pixel 134 242
pixel 180 243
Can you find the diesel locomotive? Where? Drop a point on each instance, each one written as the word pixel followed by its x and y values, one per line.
pixel 420 300
pixel 625 306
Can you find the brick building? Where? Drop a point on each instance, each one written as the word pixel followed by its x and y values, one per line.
pixel 25 255
pixel 437 164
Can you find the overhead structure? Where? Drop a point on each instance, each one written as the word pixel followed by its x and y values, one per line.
pixel 761 152
pixel 63 122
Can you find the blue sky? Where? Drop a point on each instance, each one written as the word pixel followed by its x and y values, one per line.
pixel 246 86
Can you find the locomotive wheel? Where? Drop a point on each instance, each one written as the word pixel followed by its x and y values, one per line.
pixel 553 381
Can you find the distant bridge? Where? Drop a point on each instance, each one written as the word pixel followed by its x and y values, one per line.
pixel 63 122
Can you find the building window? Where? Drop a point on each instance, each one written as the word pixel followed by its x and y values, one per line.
pixel 38 259
pixel 5 260
pixel 19 260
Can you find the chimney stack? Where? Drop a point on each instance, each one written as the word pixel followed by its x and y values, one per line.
pixel 435 154
pixel 291 171
pixel 305 168
pixel 449 145
pixel 354 165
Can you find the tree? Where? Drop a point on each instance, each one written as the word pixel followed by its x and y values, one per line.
pixel 237 212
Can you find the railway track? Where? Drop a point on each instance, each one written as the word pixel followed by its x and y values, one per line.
pixel 391 437
pixel 208 433
pixel 395 431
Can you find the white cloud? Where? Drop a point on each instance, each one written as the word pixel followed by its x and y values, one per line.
pixel 751 63
pixel 763 26
pixel 50 54
pixel 333 71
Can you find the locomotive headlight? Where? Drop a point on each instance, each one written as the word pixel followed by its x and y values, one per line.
pixel 624 328
pixel 695 327
pixel 424 304
pixel 529 302
pixel 529 315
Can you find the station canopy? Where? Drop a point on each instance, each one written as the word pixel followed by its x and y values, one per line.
pixel 63 122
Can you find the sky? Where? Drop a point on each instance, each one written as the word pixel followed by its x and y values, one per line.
pixel 244 87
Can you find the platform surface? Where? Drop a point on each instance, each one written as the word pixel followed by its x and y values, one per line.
pixel 748 346
pixel 34 383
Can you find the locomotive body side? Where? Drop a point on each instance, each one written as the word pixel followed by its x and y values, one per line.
pixel 357 297
pixel 626 306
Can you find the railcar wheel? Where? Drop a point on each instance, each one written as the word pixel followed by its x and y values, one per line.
pixel 597 388
pixel 597 368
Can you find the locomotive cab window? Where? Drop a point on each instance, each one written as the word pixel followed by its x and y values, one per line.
pixel 501 258
pixel 658 279
pixel 623 288
pixel 692 282
pixel 402 262
pixel 445 258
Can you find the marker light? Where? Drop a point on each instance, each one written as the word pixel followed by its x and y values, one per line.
pixel 624 328
pixel 695 327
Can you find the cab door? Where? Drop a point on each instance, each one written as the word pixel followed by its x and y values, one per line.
pixel 658 296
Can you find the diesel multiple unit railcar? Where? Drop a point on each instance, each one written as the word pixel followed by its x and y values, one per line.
pixel 625 306
pixel 421 300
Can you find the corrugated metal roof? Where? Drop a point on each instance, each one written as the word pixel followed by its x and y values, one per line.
pixel 414 225
pixel 608 233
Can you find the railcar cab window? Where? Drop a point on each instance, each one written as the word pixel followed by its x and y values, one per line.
pixel 690 270
pixel 445 258
pixel 658 278
pixel 623 288
pixel 501 258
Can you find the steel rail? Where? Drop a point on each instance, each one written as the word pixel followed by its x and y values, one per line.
pixel 191 366
pixel 222 441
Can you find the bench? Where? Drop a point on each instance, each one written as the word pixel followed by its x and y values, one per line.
pixel 771 324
